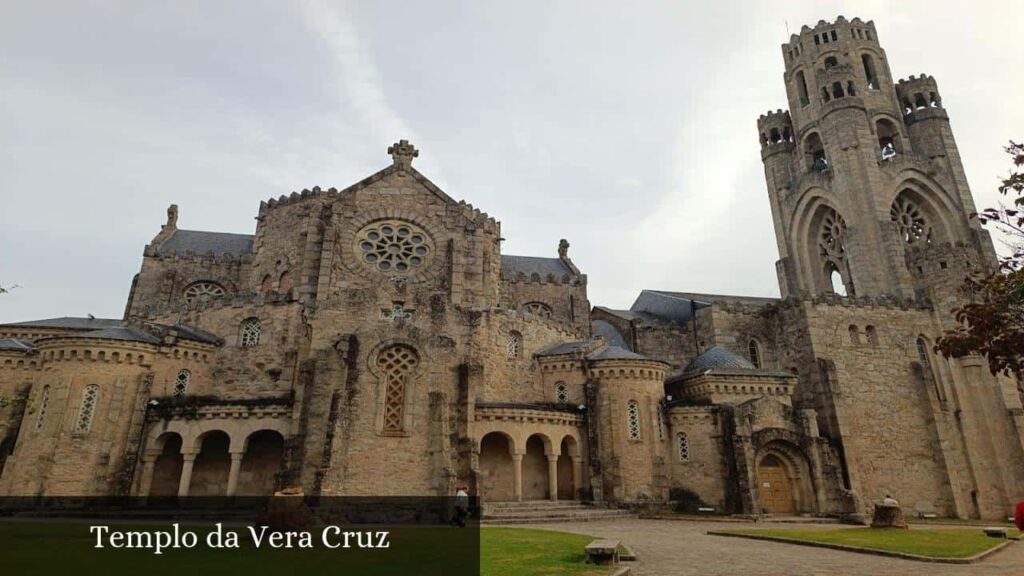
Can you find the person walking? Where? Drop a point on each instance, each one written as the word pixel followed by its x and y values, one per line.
pixel 461 507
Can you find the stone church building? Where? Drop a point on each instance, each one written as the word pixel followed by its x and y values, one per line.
pixel 375 340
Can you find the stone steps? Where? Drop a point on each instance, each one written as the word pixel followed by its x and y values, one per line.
pixel 547 511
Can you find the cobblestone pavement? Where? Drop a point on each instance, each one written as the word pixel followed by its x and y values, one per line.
pixel 676 548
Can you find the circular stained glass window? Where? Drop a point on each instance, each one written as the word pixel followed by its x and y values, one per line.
pixel 394 246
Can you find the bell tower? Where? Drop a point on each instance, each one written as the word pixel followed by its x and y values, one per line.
pixel 863 173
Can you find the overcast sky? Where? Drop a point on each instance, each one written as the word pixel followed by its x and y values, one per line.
pixel 627 127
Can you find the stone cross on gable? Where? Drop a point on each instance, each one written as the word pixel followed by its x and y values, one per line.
pixel 402 153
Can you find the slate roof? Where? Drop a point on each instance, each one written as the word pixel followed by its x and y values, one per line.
pixel 565 348
pixel 529 265
pixel 69 322
pixel 717 357
pixel 615 353
pixel 187 332
pixel 121 333
pixel 680 306
pixel 641 317
pixel 15 345
pixel 719 360
pixel 610 334
pixel 712 298
pixel 199 242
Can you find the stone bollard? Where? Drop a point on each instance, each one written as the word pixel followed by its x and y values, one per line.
pixel 888 516
pixel 287 511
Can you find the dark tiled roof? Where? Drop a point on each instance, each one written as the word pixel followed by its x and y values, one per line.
pixel 565 348
pixel 199 242
pixel 680 306
pixel 641 317
pixel 187 332
pixel 712 298
pixel 70 322
pixel 719 358
pixel 615 353
pixel 121 333
pixel 15 345
pixel 610 334
pixel 511 266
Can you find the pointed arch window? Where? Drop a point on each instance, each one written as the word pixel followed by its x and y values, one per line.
pixel 633 419
pixel 86 410
pixel 683 447
pixel 181 383
pixel 251 330
pixel 910 221
pixel 397 364
pixel 754 352
pixel 513 345
pixel 267 285
pixel 284 284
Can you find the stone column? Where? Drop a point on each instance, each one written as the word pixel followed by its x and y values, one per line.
pixel 553 476
pixel 517 477
pixel 236 467
pixel 577 476
pixel 186 474
pixel 148 466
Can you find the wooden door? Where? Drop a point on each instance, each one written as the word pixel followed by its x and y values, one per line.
pixel 775 487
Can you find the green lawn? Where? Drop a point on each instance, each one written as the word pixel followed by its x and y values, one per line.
pixel 520 552
pixel 936 543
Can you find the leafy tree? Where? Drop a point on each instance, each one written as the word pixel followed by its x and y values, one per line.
pixel 992 323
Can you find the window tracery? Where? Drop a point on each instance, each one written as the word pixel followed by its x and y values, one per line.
pixel 87 409
pixel 683 446
pixel 633 419
pixel 397 364
pixel 538 309
pixel 251 330
pixel 181 383
pixel 910 221
pixel 394 246
pixel 513 345
pixel 561 392
pixel 203 291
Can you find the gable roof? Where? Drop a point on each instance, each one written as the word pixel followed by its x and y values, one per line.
pixel 681 306
pixel 200 242
pixel 610 333
pixel 529 265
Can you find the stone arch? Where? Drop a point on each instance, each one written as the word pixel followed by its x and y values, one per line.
pixel 782 460
pixel 536 485
pixel 261 463
pixel 814 152
pixel 168 464
pixel 819 239
pixel 936 210
pixel 212 464
pixel 569 455
pixel 496 469
pixel 396 365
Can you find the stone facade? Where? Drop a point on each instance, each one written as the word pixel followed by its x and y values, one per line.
pixel 375 340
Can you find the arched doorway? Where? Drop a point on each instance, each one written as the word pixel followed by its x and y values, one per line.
pixel 167 468
pixel 535 469
pixel 776 486
pixel 262 461
pixel 566 481
pixel 496 473
pixel 212 465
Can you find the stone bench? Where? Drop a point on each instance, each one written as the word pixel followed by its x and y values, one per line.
pixel 603 552
pixel 994 532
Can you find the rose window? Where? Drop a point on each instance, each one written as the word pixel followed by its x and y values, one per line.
pixel 910 221
pixel 394 246
pixel 203 291
pixel 833 230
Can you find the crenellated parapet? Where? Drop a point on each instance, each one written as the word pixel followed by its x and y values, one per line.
pixel 920 99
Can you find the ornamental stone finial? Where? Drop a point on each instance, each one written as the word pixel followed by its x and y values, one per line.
pixel 563 249
pixel 402 153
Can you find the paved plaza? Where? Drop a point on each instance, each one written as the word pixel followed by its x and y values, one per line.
pixel 677 548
